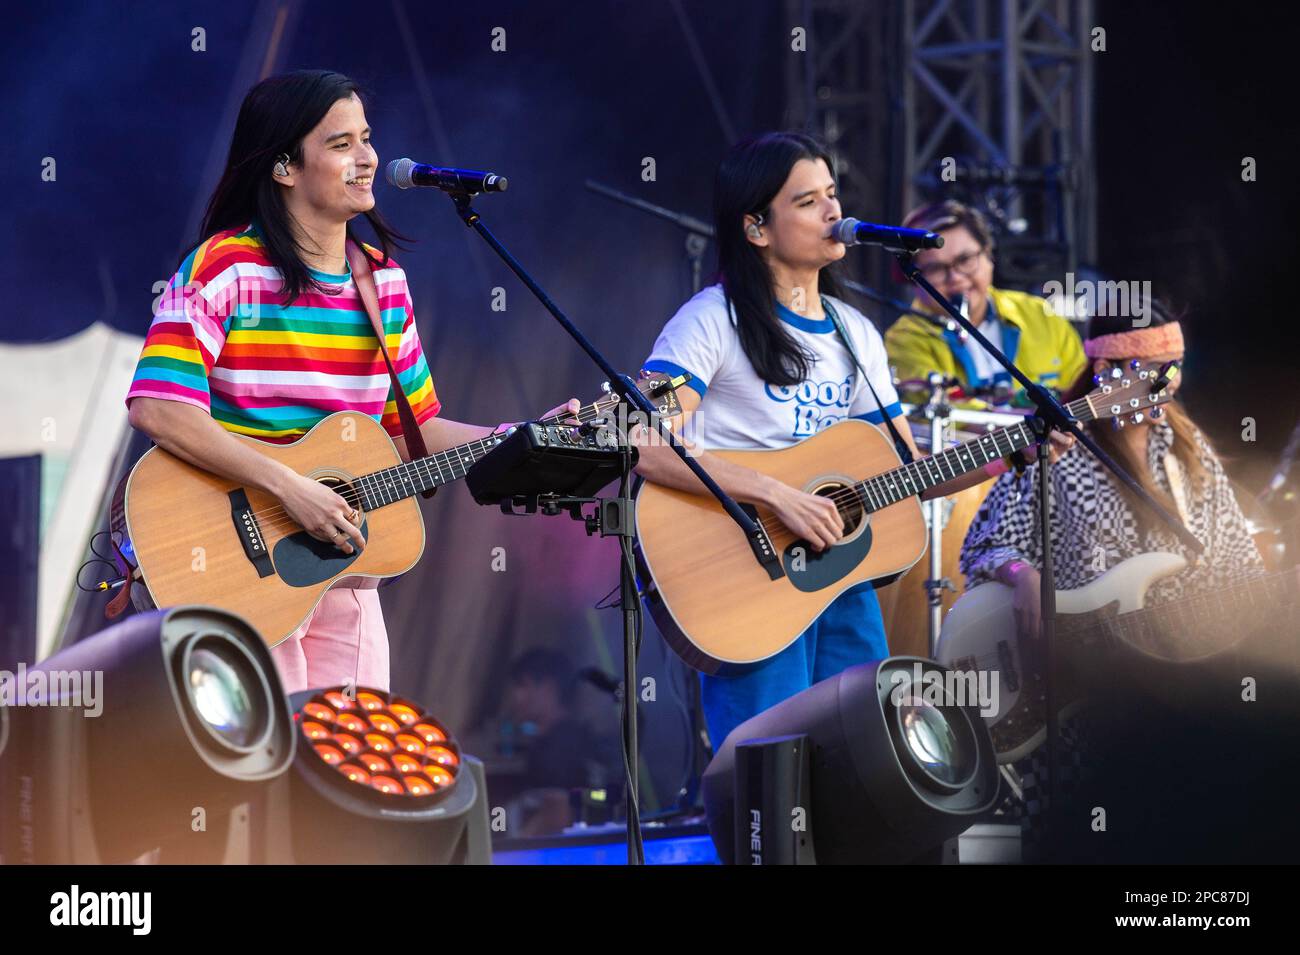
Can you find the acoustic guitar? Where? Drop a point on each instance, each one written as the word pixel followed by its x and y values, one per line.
pixel 717 604
pixel 196 538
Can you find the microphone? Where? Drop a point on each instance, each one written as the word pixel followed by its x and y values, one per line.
pixel 405 173
pixel 892 237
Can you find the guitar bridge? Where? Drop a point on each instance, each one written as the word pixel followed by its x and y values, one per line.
pixel 761 545
pixel 250 533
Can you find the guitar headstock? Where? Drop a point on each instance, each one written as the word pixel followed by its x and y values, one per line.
pixel 1128 395
pixel 659 387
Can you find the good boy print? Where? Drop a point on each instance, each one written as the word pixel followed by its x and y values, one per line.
pixel 814 405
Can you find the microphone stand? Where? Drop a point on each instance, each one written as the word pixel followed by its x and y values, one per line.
pixel 866 291
pixel 618 516
pixel 698 233
pixel 1049 414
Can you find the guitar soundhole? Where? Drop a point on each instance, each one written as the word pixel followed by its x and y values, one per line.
pixel 344 489
pixel 849 504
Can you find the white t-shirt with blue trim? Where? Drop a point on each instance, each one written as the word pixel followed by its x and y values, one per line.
pixel 740 411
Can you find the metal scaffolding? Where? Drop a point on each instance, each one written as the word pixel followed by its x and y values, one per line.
pixel 1001 87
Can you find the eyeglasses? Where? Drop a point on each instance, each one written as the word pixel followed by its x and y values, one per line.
pixel 964 264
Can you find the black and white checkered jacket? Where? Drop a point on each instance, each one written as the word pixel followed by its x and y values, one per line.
pixel 1094 528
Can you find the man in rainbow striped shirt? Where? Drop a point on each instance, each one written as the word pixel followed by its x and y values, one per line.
pixel 262 332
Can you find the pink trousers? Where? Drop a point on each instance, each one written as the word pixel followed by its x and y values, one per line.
pixel 343 641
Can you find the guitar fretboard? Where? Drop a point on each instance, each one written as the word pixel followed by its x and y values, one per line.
pixel 401 481
pixel 405 480
pixel 924 473
pixel 1235 608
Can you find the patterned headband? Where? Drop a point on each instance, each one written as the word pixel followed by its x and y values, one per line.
pixel 1139 343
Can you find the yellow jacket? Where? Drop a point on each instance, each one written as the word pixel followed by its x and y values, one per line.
pixel 1044 345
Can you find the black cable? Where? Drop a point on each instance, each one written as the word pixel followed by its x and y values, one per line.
pixel 630 709
pixel 680 690
pixel 97 559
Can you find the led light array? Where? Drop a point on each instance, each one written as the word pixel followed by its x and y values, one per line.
pixel 382 742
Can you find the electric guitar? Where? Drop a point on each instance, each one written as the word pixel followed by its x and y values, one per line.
pixel 196 538
pixel 716 603
pixel 1107 614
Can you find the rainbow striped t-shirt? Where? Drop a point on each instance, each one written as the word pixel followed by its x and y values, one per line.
pixel 221 339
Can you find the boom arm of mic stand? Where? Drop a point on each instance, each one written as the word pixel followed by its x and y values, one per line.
pixel 1052 413
pixel 754 534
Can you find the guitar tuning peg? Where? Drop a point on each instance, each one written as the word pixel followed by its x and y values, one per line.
pixel 1117 424
pixel 1116 372
pixel 1157 412
pixel 605 387
pixel 1135 364
pixel 1138 417
pixel 1097 380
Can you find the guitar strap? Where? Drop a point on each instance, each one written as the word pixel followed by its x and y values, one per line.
pixel 900 445
pixel 1174 471
pixel 365 282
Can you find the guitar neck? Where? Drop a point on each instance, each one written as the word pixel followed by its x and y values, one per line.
pixel 390 485
pixel 924 473
pixel 1239 606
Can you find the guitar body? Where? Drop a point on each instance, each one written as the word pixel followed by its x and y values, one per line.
pixel 714 602
pixel 979 633
pixel 192 545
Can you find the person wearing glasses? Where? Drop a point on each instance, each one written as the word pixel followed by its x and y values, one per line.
pixel 1044 345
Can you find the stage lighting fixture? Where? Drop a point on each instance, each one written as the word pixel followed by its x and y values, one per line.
pixel 194 720
pixel 376 780
pixel 898 764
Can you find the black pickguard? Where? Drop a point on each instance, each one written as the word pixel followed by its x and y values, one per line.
pixel 302 561
pixel 811 570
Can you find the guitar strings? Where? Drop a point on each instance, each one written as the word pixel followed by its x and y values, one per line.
pixel 850 498
pixel 275 518
pixel 846 500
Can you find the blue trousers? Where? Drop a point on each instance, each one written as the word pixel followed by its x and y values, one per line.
pixel 849 631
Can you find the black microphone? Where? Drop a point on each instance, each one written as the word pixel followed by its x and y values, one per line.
pixel 854 232
pixel 405 173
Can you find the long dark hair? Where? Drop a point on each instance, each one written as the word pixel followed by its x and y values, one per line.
pixel 275 116
pixel 748 179
pixel 1185 429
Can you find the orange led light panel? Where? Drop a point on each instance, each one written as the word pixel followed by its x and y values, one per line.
pixel 429 733
pixel 387 744
pixel 385 723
